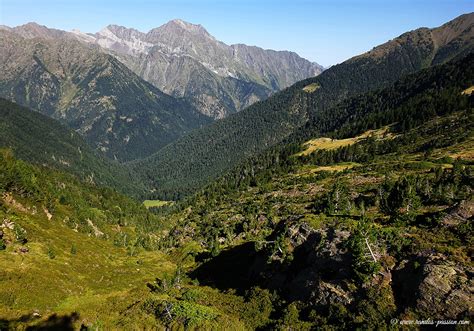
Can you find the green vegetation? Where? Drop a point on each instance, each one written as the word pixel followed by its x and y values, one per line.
pixel 155 203
pixel 193 161
pixel 311 87
pixel 330 143
pixel 58 253
pixel 41 140
pixel 339 235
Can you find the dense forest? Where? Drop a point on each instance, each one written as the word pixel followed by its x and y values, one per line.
pixel 408 103
pixel 39 139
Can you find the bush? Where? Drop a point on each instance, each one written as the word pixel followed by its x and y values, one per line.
pixel 193 314
pixel 20 234
pixel 259 307
pixel 51 253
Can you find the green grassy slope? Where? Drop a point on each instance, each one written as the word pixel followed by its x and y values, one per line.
pixel 69 247
pixel 74 256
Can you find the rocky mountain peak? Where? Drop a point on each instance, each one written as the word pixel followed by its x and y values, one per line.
pixel 178 27
pixel 454 29
pixel 34 30
pixel 123 40
pixel 194 28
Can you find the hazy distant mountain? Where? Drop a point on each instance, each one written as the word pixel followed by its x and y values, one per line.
pixel 184 60
pixel 115 110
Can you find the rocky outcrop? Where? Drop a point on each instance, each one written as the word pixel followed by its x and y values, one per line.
pixel 315 266
pixel 320 267
pixel 446 290
pixel 433 286
pixel 461 213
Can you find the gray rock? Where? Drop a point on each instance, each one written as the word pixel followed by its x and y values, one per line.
pixel 461 213
pixel 447 289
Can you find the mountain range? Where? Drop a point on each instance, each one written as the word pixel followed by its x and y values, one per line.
pixel 117 112
pixel 108 86
pixel 184 60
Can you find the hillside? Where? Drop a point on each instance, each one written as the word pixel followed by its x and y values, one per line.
pixel 41 140
pixel 192 161
pixel 117 112
pixel 373 232
pixel 313 245
pixel 69 251
pixel 74 256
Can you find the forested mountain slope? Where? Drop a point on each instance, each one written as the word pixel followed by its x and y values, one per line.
pixel 116 111
pixel 41 140
pixel 192 161
pixel 184 60
pixel 362 228
pixel 410 102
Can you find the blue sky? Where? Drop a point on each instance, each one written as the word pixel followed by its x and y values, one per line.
pixel 327 32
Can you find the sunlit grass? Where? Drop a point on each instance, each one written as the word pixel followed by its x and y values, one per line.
pixel 329 143
pixel 156 203
pixel 311 87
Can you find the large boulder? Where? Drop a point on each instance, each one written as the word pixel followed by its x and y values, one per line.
pixel 446 290
pixel 460 213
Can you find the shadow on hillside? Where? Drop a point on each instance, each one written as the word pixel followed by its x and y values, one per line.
pixel 405 283
pixel 232 268
pixel 53 322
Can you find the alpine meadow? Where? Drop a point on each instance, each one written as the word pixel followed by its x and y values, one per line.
pixel 153 177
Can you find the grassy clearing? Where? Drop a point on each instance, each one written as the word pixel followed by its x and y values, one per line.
pixel 463 150
pixel 311 87
pixel 156 203
pixel 310 169
pixel 328 143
